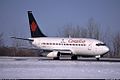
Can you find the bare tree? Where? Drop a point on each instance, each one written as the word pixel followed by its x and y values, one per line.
pixel 93 29
pixel 16 43
pixel 73 31
pixel 1 40
pixel 77 31
pixel 107 37
pixel 67 31
pixel 116 44
pixel 83 32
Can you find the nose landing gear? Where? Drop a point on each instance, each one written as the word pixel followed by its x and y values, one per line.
pixel 97 57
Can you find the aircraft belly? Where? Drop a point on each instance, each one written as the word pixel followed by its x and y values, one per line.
pixel 82 51
pixel 69 49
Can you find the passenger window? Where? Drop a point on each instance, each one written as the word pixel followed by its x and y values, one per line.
pixel 81 44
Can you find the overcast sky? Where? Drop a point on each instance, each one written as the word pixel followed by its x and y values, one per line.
pixel 52 15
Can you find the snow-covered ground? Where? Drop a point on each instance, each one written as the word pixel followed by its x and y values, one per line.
pixel 21 68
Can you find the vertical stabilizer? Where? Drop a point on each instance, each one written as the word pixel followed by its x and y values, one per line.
pixel 34 28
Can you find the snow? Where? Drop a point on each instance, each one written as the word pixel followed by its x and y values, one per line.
pixel 46 69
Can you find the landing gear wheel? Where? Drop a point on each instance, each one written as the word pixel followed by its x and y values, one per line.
pixel 98 59
pixel 56 58
pixel 74 57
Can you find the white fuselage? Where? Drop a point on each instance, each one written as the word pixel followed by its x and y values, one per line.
pixel 77 46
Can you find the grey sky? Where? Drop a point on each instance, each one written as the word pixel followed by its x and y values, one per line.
pixel 52 15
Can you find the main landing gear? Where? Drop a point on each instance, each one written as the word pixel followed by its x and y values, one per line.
pixel 74 57
pixel 58 57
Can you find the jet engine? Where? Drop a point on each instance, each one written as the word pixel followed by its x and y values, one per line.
pixel 53 54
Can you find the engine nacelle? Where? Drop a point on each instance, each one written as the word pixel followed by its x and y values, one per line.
pixel 53 54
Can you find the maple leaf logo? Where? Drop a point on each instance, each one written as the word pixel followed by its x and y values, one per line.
pixel 33 26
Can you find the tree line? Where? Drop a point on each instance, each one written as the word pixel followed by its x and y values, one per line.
pixel 16 49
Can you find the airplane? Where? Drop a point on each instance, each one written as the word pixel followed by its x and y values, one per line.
pixel 55 46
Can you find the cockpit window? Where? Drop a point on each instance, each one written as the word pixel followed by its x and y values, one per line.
pixel 100 44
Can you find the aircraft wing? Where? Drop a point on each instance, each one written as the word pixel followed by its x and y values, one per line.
pixel 65 51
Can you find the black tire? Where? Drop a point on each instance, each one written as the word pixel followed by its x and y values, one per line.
pixel 98 59
pixel 74 57
pixel 56 58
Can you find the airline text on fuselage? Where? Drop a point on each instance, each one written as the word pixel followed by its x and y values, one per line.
pixel 76 41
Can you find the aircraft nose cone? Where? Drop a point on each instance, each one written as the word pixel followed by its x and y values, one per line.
pixel 106 49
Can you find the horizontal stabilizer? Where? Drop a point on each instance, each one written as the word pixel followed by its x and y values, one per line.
pixel 23 39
